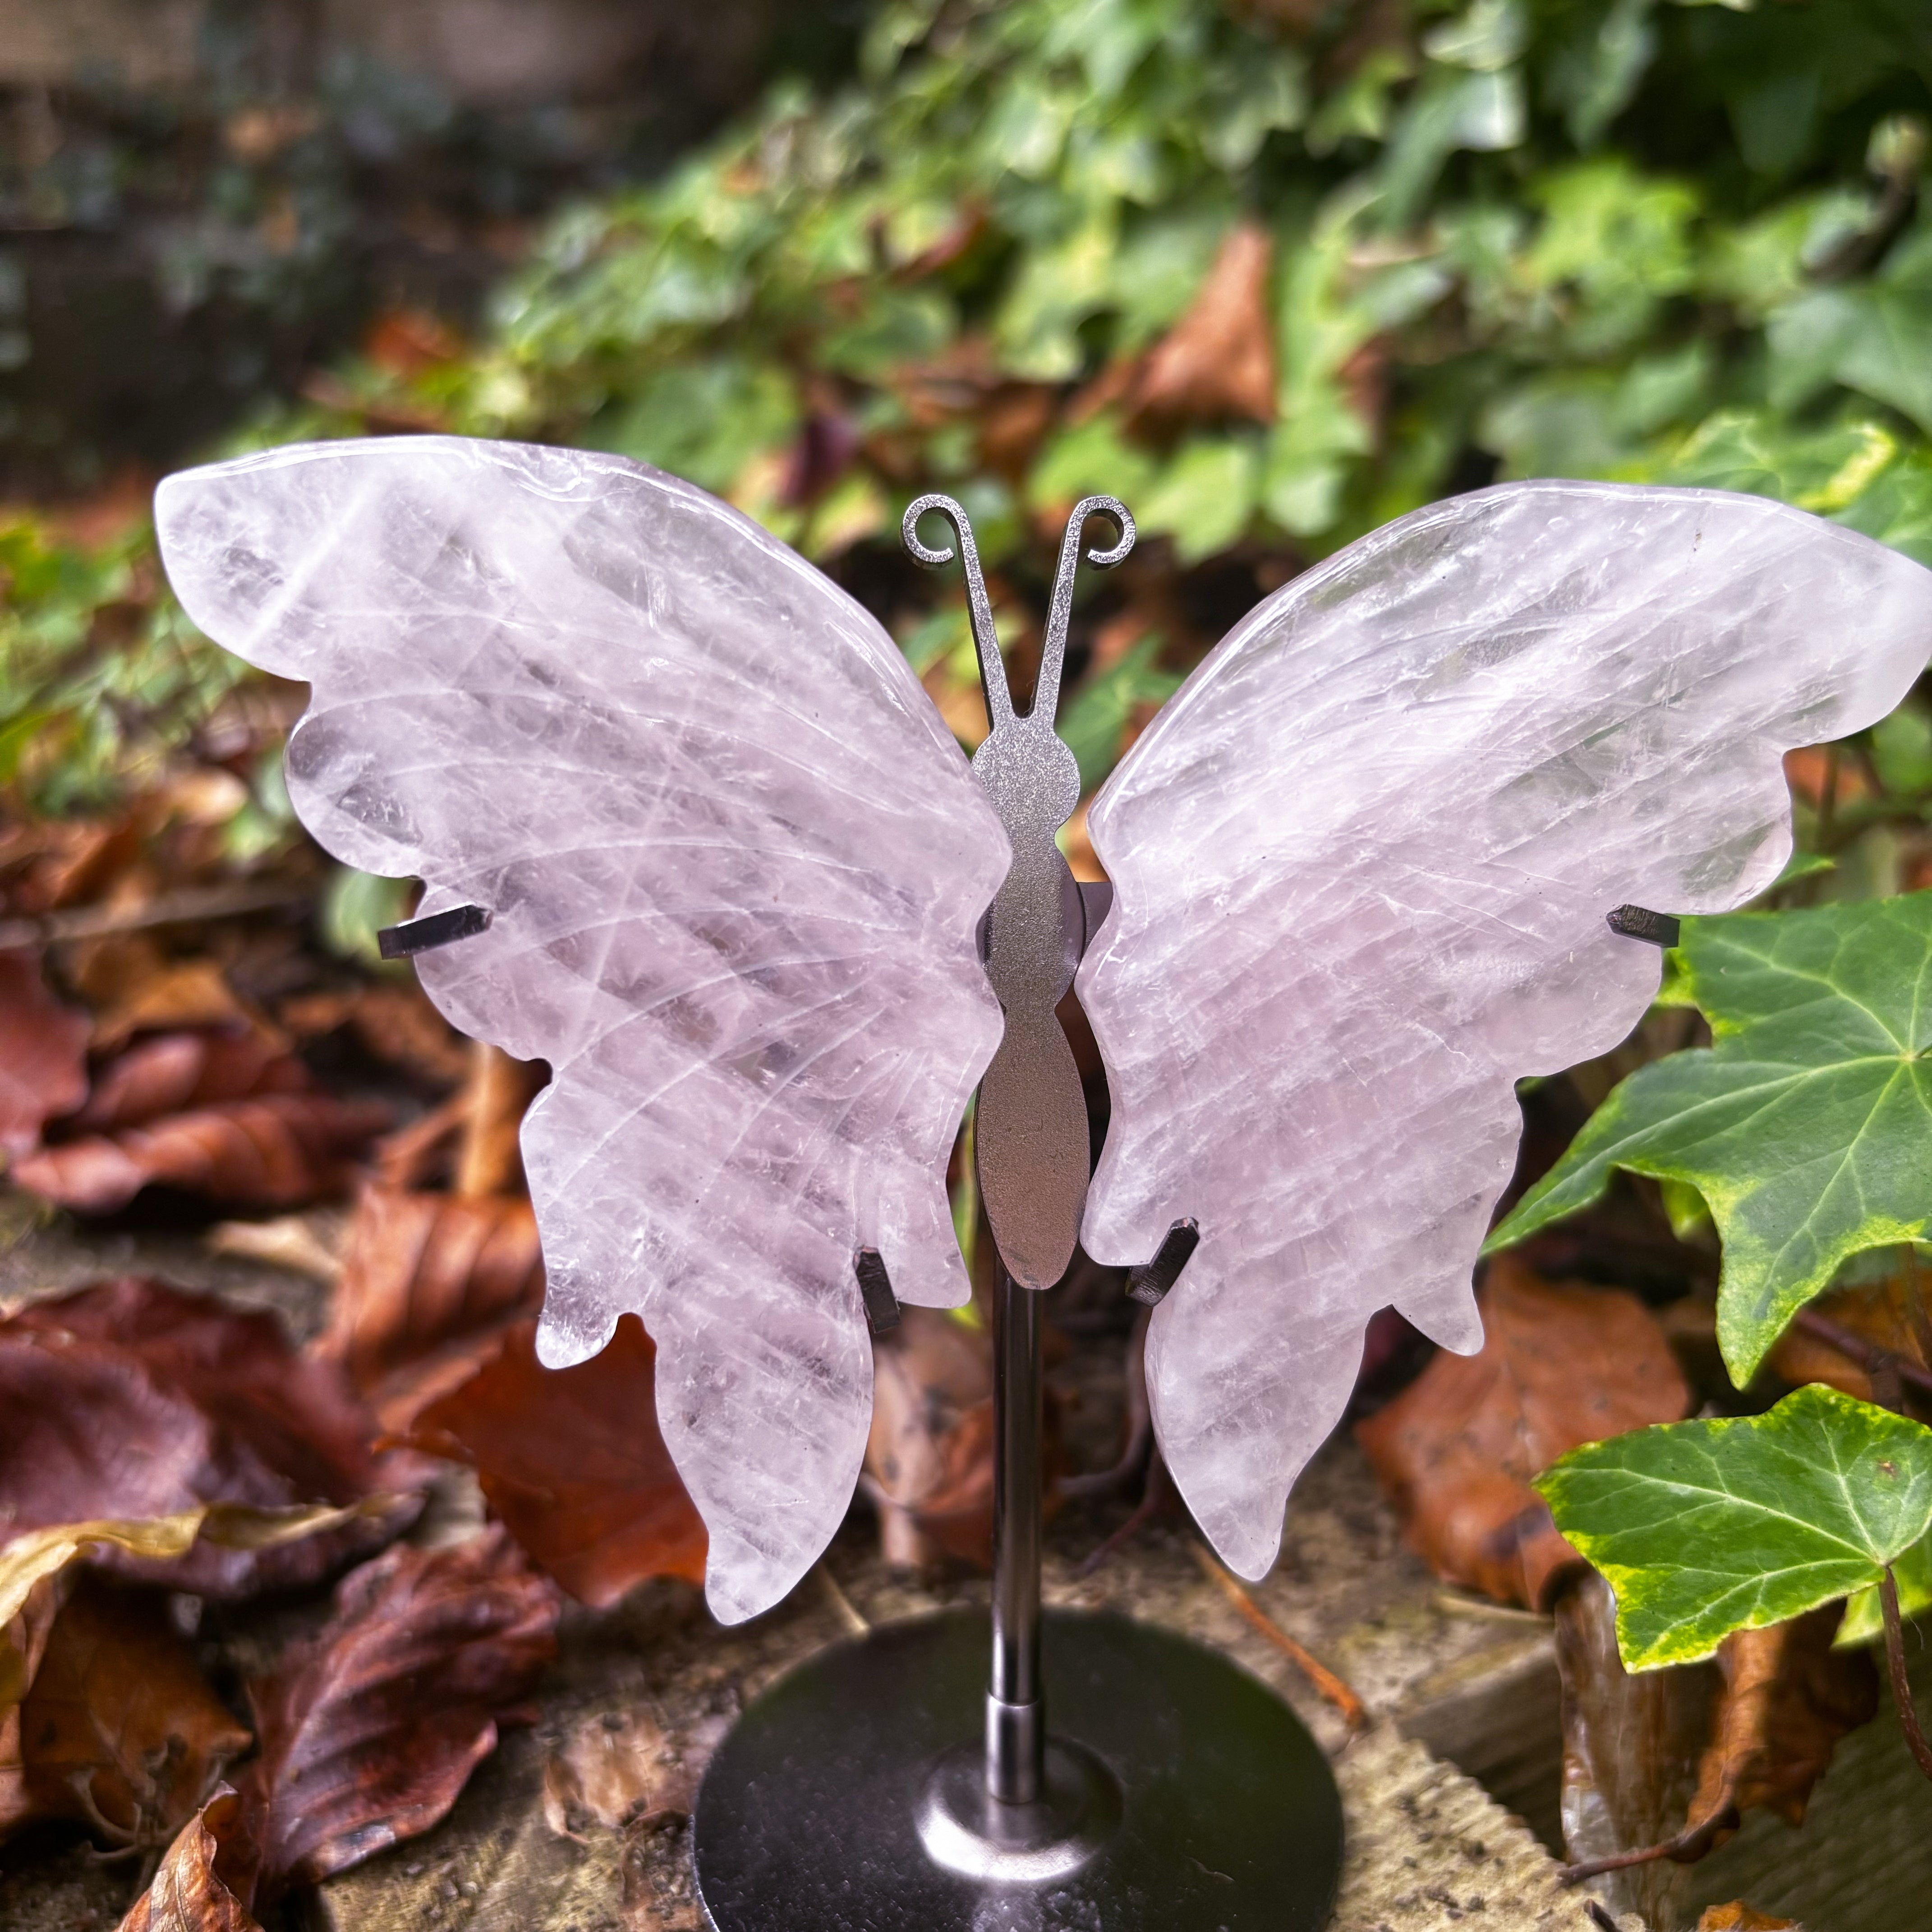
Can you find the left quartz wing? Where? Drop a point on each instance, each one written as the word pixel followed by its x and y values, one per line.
pixel 732 863
pixel 1362 863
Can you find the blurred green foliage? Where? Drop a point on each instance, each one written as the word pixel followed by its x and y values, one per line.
pixel 1639 239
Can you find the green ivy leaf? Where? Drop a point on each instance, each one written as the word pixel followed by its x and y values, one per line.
pixel 1807 1126
pixel 1704 1528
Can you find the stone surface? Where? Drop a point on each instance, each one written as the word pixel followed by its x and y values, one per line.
pixel 734 863
pixel 1362 862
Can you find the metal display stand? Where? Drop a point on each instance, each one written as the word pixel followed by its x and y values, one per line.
pixel 894 1784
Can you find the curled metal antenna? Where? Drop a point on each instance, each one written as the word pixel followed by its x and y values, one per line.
pixel 985 640
pixel 1053 655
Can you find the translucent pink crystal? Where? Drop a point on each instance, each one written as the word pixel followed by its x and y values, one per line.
pixel 1363 861
pixel 734 863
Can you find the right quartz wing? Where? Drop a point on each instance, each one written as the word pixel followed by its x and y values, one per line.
pixel 1362 865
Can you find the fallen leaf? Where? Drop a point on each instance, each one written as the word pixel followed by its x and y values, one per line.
pixel 392 1019
pixel 620 1769
pixel 43 1054
pixel 194 1891
pixel 34 1577
pixel 295 1412
pixel 929 1456
pixel 120 1728
pixel 370 1729
pixel 1631 1745
pixel 179 1070
pixel 1788 1697
pixel 1888 1316
pixel 291 1242
pixel 572 1461
pixel 134 985
pixel 1739 1917
pixel 1219 359
pixel 421 1269
pixel 1560 1365
pixel 93 1433
pixel 279 1150
pixel 48 863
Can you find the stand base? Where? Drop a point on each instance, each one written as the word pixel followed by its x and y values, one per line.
pixel 1182 1795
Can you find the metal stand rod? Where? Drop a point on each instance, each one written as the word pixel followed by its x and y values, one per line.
pixel 1015 1705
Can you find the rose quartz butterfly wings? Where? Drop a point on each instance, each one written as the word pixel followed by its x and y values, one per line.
pixel 1362 864
pixel 733 864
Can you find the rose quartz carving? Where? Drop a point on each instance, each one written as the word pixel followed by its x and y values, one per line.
pixel 1362 863
pixel 734 863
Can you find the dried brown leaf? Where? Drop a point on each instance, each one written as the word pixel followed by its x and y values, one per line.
pixel 929 1456
pixel 572 1461
pixel 35 1573
pixel 135 985
pixel 618 1769
pixel 120 1729
pixel 1788 1698
pixel 296 1412
pixel 94 1432
pixel 179 1070
pixel 371 1729
pixel 1888 1316
pixel 1631 1744
pixel 420 1270
pixel 278 1150
pixel 1739 1917
pixel 1219 359
pixel 43 1054
pixel 195 1889
pixel 1560 1365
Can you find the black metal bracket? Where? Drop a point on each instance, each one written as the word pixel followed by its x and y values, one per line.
pixel 425 935
pixel 1148 1284
pixel 1634 921
pixel 875 1290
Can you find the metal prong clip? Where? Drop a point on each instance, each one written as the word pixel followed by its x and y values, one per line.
pixel 425 935
pixel 875 1290
pixel 1148 1284
pixel 1634 921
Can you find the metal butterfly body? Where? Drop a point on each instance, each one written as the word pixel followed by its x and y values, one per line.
pixel 731 870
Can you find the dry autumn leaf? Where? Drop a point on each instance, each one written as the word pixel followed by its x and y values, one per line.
pixel 1631 1744
pixel 619 1768
pixel 1219 359
pixel 120 1729
pixel 422 1269
pixel 370 1729
pixel 277 1151
pixel 195 1890
pixel 296 1411
pixel 572 1460
pixel 176 1071
pixel 1560 1365
pixel 93 1433
pixel 1739 1917
pixel 1845 1338
pixel 43 1054
pixel 1788 1698
pixel 929 1456
pixel 35 1567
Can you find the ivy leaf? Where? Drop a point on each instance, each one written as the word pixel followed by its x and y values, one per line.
pixel 1807 1126
pixel 1864 1615
pixel 1704 1528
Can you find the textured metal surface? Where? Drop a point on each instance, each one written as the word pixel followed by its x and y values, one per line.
pixel 1030 1131
pixel 809 1818
pixel 425 935
pixel 1636 921
pixel 875 1290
